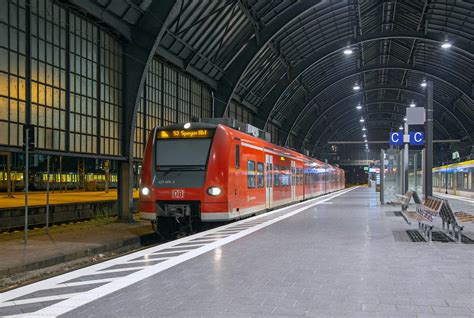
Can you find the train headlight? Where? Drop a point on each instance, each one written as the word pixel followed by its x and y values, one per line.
pixel 214 191
pixel 145 191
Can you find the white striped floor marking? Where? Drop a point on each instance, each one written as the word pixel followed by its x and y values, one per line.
pixel 82 298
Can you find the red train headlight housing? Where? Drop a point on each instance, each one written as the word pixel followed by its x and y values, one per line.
pixel 214 191
pixel 145 191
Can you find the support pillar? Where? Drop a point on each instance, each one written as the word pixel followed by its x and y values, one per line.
pixel 382 175
pixel 405 162
pixel 125 191
pixel 415 170
pixel 428 163
pixel 9 179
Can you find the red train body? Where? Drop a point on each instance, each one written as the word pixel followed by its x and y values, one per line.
pixel 216 173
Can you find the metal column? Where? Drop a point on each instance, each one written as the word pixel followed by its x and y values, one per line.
pixel 382 175
pixel 9 179
pixel 125 191
pixel 415 170
pixel 428 163
pixel 405 163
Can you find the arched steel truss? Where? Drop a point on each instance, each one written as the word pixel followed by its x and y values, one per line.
pixel 275 94
pixel 234 71
pixel 438 102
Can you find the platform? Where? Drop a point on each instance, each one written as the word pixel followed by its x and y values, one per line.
pixel 338 255
pixel 67 246
pixel 36 198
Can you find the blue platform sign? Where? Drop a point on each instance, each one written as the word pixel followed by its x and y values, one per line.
pixel 417 138
pixel 396 138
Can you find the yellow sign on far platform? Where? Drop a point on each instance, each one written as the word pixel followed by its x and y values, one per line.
pixel 184 133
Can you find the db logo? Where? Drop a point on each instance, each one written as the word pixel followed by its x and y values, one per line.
pixel 177 194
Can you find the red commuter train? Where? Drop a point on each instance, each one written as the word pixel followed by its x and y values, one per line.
pixel 211 172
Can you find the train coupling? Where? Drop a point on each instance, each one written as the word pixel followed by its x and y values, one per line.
pixel 178 210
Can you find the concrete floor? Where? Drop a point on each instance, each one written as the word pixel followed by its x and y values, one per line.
pixel 346 257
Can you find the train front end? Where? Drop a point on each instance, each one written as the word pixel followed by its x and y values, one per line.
pixel 183 175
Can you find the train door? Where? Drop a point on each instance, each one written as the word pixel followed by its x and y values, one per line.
pixel 293 181
pixel 269 181
pixel 235 205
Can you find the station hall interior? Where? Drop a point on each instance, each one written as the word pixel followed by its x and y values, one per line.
pixel 236 158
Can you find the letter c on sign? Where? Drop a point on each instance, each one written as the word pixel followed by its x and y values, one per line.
pixel 418 137
pixel 395 137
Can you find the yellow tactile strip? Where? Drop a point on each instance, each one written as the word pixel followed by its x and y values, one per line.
pixel 56 197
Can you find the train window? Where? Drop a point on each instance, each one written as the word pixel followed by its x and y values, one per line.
pixel 269 175
pixel 260 181
pixel 276 177
pixel 237 156
pixel 251 174
pixel 285 176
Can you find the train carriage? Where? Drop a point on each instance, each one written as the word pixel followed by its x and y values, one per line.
pixel 456 179
pixel 211 172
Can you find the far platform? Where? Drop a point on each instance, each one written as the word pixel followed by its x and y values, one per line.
pixel 38 198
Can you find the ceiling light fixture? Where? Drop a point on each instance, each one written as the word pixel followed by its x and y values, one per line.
pixel 412 104
pixel 348 51
pixel 405 119
pixel 361 120
pixel 364 135
pixel 423 84
pixel 356 87
pixel 363 129
pixel 446 44
pixel 400 128
pixel 359 106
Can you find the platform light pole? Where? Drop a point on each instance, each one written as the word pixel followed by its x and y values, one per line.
pixel 47 194
pixel 26 178
pixel 428 163
pixel 405 160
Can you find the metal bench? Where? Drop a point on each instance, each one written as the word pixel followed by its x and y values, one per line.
pixel 404 199
pixel 455 220
pixel 424 215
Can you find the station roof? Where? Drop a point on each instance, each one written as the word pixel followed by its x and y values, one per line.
pixel 285 60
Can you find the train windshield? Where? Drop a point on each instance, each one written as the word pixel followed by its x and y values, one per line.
pixel 186 153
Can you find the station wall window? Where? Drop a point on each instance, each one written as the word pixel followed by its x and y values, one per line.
pixel 196 100
pixel 48 74
pixel 251 174
pixel 260 175
pixel 274 132
pixel 206 103
pixel 140 129
pixel 59 35
pixel 83 56
pixel 239 112
pixel 12 72
pixel 149 113
pixel 110 94
pixel 169 96
pixel 184 98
